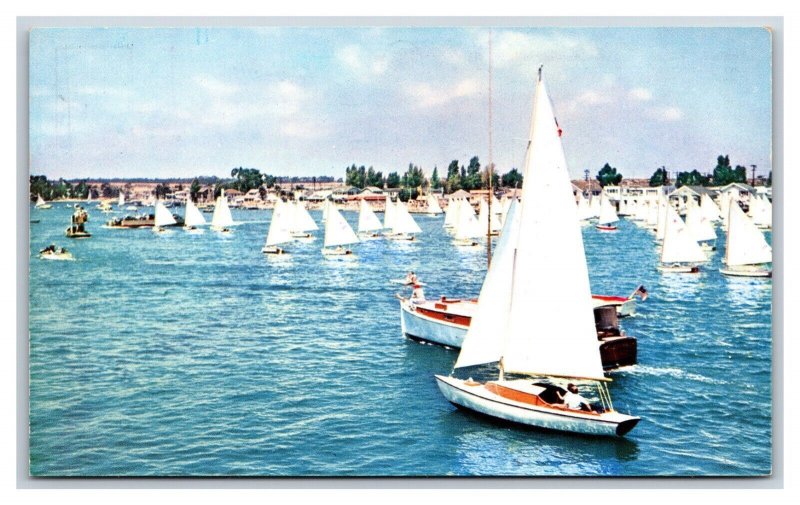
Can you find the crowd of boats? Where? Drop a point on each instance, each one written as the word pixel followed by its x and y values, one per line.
pixel 535 323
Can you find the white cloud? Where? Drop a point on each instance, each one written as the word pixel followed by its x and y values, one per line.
pixel 426 95
pixel 511 48
pixel 640 94
pixel 363 65
pixel 666 114
pixel 589 98
pixel 214 86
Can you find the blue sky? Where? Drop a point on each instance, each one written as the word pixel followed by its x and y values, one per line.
pixel 155 102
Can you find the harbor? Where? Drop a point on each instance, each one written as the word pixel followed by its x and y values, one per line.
pixel 200 355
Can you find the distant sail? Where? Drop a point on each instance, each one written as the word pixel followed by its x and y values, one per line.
pixel 163 215
pixel 222 213
pixel 337 230
pixel 367 220
pixel 193 215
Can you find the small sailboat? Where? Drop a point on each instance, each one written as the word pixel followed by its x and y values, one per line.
pixel 193 218
pixel 450 214
pixel 584 213
pixel 163 218
pixel 338 233
pixel 710 209
pixel 680 252
pixel 121 200
pixel 514 324
pixel 403 225
pixel 747 253
pixel 368 222
pixel 222 220
pixel 594 206
pixel 279 228
pixel 700 227
pixel 483 219
pixel 761 212
pixel 467 228
pixel 302 222
pixel 661 222
pixel 433 206
pixel 608 216
pixel 41 204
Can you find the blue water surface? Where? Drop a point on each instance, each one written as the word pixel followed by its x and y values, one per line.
pixel 182 354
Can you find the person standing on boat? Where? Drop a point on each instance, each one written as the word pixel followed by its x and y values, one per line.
pixel 417 296
pixel 411 278
pixel 573 400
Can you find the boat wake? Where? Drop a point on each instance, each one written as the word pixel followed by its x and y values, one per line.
pixel 675 373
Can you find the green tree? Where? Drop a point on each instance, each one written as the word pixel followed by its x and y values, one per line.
pixel 659 178
pixel 162 190
pixel 393 180
pixel 453 182
pixel 723 173
pixel 472 177
pixel 608 176
pixel 512 179
pixel 435 182
pixel 194 189
pixel 693 178
pixel 769 179
pixel 246 179
pixel 413 177
pixel 740 174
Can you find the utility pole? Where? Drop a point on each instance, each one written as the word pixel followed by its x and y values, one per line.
pixel 753 180
pixel 490 167
pixel 586 175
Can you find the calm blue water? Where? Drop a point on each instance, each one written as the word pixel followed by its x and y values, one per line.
pixel 196 355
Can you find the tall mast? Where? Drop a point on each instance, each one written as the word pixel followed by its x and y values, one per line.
pixel 489 168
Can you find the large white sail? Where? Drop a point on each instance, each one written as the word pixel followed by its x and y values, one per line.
pixel 481 344
pixel 193 215
pixel 679 245
pixel 662 217
pixel 698 224
pixel 163 215
pixel 337 230
pixel 584 213
pixel 121 200
pixel 607 213
pixel 745 244
pixel 403 222
pixel 389 213
pixel 280 225
pixel 40 201
pixel 433 205
pixel 594 206
pixel 761 210
pixel 222 213
pixel 367 220
pixel 302 219
pixel 451 214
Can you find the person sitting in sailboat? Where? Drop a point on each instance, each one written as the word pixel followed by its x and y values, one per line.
pixel 573 400
pixel 411 278
pixel 49 249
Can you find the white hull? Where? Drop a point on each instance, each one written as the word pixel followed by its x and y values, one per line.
pixel 273 250
pixel 466 243
pixel 193 230
pixel 479 399
pixel 57 257
pixel 749 272
pixel 44 207
pixel 678 269
pixel 420 327
pixel 400 236
pixel 369 236
pixel 337 252
pixel 221 230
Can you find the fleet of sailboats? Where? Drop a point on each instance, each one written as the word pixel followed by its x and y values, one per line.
pixel 514 325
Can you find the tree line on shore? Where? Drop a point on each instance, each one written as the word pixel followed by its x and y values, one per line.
pixel 411 182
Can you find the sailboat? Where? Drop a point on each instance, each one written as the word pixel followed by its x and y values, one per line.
pixel 338 233
pixel 368 222
pixel 450 214
pixel 680 252
pixel 700 227
pixel 433 206
pixel 222 219
pixel 594 206
pixel 515 324
pixel 163 218
pixel 403 225
pixel 710 209
pixel 483 219
pixel 761 212
pixel 584 213
pixel 661 222
pixel 467 227
pixel 121 200
pixel 279 228
pixel 193 218
pixel 608 216
pixel 747 252
pixel 302 222
pixel 41 204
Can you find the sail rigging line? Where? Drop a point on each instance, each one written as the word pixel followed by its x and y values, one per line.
pixel 490 167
